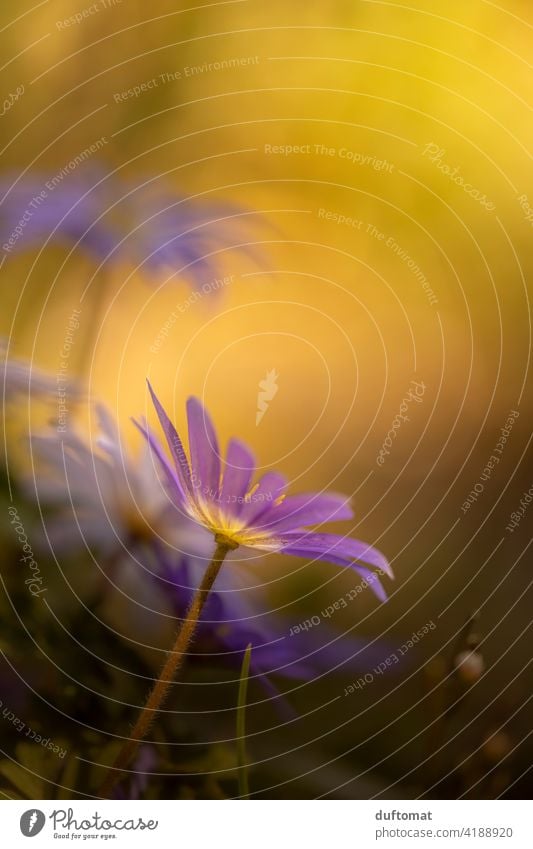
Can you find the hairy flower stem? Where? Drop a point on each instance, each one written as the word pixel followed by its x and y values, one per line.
pixel 173 662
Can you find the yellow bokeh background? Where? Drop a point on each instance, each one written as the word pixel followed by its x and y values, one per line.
pixel 330 306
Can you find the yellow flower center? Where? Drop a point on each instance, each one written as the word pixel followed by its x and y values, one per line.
pixel 229 528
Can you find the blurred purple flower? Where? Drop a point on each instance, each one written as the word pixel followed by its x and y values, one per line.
pixel 258 517
pixel 230 622
pixel 137 784
pixel 151 229
pixel 20 377
pixel 73 213
pixel 104 498
pixel 176 236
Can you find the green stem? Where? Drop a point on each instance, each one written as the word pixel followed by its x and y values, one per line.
pixel 173 663
pixel 244 790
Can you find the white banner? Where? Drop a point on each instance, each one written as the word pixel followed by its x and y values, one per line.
pixel 262 824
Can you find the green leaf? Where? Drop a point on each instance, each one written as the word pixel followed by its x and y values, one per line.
pixel 7 793
pixel 218 758
pixel 68 778
pixel 244 790
pixel 29 785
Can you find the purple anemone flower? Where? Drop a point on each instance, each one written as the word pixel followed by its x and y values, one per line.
pixel 255 516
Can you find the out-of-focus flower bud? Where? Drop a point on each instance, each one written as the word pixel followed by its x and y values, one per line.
pixel 469 665
pixel 497 746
